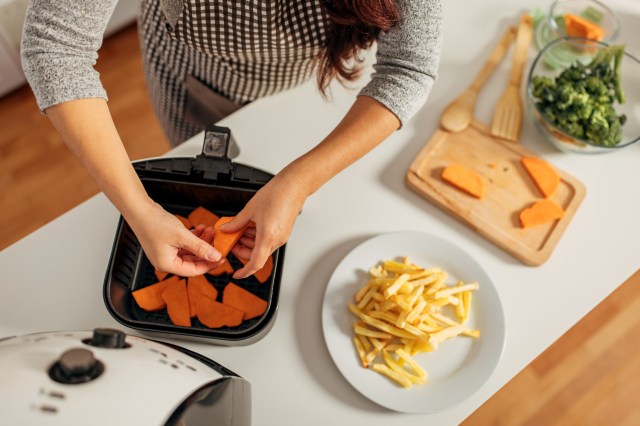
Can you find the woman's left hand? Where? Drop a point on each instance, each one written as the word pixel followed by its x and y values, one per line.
pixel 274 208
pixel 273 211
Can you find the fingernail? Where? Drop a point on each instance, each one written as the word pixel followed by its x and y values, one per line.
pixel 213 255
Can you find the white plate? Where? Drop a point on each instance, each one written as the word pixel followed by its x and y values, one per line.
pixel 459 367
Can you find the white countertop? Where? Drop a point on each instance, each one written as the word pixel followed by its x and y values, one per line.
pixel 52 279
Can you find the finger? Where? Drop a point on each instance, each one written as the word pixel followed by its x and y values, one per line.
pixel 202 232
pixel 259 256
pixel 198 267
pixel 250 231
pixel 248 242
pixel 207 234
pixel 198 230
pixel 199 248
pixel 240 221
pixel 241 251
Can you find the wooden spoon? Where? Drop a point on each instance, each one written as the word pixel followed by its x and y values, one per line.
pixel 457 115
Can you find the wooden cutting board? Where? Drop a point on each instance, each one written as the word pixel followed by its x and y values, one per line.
pixel 509 189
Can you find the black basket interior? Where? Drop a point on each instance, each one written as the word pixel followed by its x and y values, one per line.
pixel 130 269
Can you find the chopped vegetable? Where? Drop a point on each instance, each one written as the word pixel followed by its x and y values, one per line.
pixel 149 298
pixel 239 298
pixel 464 179
pixel 202 216
pixel 177 300
pixel 224 241
pixel 540 212
pixel 578 26
pixel 215 314
pixel 580 101
pixel 224 268
pixel 186 222
pixel 543 174
pixel 197 286
pixel 160 275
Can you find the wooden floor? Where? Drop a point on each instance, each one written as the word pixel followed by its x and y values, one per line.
pixel 39 178
pixel 590 376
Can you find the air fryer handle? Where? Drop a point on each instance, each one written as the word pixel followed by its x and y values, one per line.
pixel 216 141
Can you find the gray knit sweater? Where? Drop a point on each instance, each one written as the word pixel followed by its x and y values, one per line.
pixel 61 39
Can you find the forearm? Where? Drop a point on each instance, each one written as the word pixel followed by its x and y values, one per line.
pixel 88 129
pixel 364 127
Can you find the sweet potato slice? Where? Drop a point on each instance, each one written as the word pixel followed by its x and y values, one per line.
pixel 465 179
pixel 540 212
pixel 224 241
pixel 543 174
pixel 197 286
pixel 578 26
pixel 202 216
pixel 224 268
pixel 186 222
pixel 215 314
pixel 177 300
pixel 160 275
pixel 239 298
pixel 149 298
pixel 262 274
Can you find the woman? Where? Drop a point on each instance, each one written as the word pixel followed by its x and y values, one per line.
pixel 205 59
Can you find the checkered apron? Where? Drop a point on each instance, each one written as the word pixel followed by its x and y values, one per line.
pixel 222 54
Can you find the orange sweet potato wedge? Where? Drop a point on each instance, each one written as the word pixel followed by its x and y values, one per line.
pixel 262 274
pixel 464 179
pixel 149 298
pixel 215 314
pixel 239 298
pixel 224 241
pixel 540 212
pixel 197 286
pixel 577 26
pixel 160 275
pixel 224 268
pixel 543 174
pixel 177 300
pixel 202 216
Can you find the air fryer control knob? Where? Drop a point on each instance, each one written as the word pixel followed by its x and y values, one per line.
pixel 77 365
pixel 107 338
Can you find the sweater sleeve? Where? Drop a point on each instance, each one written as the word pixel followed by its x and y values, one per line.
pixel 59 48
pixel 407 58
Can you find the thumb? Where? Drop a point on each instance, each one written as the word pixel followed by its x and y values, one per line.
pixel 241 220
pixel 198 247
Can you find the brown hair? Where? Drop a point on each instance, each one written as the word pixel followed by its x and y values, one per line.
pixel 353 25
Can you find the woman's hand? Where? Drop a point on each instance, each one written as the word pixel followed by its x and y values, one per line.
pixel 273 211
pixel 171 247
pixel 274 208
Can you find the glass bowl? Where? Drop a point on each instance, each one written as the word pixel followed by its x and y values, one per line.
pixel 573 50
pixel 589 10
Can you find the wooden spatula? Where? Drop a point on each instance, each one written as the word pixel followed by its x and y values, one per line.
pixel 507 120
pixel 458 114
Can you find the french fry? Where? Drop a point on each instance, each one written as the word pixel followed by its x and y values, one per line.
pixel 458 289
pixel 385 370
pixel 393 288
pixel 400 314
pixel 362 354
pixel 397 367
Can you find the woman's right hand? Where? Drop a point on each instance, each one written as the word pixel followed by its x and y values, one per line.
pixel 88 130
pixel 171 247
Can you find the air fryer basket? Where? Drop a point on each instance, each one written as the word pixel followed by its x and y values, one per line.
pixel 180 185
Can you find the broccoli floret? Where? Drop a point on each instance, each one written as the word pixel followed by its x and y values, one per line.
pixel 580 100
